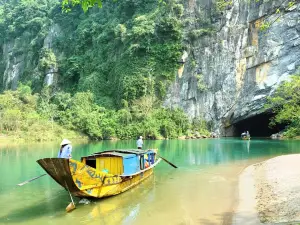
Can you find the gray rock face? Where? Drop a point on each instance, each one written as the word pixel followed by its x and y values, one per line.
pixel 52 72
pixel 240 64
pixel 17 61
pixel 14 66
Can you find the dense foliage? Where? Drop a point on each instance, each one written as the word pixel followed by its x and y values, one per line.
pixel 112 68
pixel 124 51
pixel 285 103
pixel 44 117
pixel 121 52
pixel 134 44
pixel 20 119
pixel 85 4
pixel 23 27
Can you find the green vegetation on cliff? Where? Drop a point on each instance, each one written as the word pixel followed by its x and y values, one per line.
pixel 23 27
pixel 120 53
pixel 285 103
pixel 46 117
pixel 111 67
pixel 19 118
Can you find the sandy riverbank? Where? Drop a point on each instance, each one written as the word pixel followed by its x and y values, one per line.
pixel 269 192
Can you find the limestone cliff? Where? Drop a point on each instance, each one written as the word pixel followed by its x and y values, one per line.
pixel 21 62
pixel 238 65
pixel 228 69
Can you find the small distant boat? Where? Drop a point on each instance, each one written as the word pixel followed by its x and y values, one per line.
pixel 245 136
pixel 102 174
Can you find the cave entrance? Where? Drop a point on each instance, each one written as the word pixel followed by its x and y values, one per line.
pixel 258 126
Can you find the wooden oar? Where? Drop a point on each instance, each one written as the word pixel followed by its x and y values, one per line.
pixel 167 161
pixel 71 206
pixel 32 179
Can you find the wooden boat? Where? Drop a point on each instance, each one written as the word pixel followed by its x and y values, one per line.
pixel 102 174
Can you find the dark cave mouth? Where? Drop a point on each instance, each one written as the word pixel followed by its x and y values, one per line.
pixel 258 126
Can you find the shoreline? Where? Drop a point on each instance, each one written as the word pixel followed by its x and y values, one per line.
pixel 4 138
pixel 12 141
pixel 269 192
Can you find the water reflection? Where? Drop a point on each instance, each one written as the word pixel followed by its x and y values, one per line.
pixel 171 194
pixel 248 146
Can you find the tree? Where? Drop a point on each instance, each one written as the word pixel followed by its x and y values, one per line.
pixel 285 103
pixel 285 5
pixel 85 4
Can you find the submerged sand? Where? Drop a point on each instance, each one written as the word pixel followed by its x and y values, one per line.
pixel 269 192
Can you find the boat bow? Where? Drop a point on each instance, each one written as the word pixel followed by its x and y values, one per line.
pixel 59 170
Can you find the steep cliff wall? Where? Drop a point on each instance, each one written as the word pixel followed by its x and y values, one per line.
pixel 229 73
pixel 228 69
pixel 24 64
pixel 26 36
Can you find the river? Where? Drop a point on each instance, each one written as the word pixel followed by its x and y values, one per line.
pixel 203 190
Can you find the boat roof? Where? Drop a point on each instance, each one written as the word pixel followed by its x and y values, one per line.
pixel 125 153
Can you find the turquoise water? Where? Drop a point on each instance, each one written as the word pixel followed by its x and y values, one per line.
pixel 201 191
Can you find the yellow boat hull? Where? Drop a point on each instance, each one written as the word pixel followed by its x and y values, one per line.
pixel 85 181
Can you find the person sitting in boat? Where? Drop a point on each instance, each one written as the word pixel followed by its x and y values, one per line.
pixel 247 134
pixel 147 161
pixel 139 142
pixel 146 164
pixel 65 150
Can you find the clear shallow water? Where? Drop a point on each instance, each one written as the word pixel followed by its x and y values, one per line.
pixel 201 191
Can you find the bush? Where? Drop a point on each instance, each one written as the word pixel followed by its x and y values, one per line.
pixel 195 34
pixel 48 117
pixel 285 104
pixel 21 117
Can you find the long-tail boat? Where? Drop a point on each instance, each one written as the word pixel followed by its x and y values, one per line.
pixel 102 174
